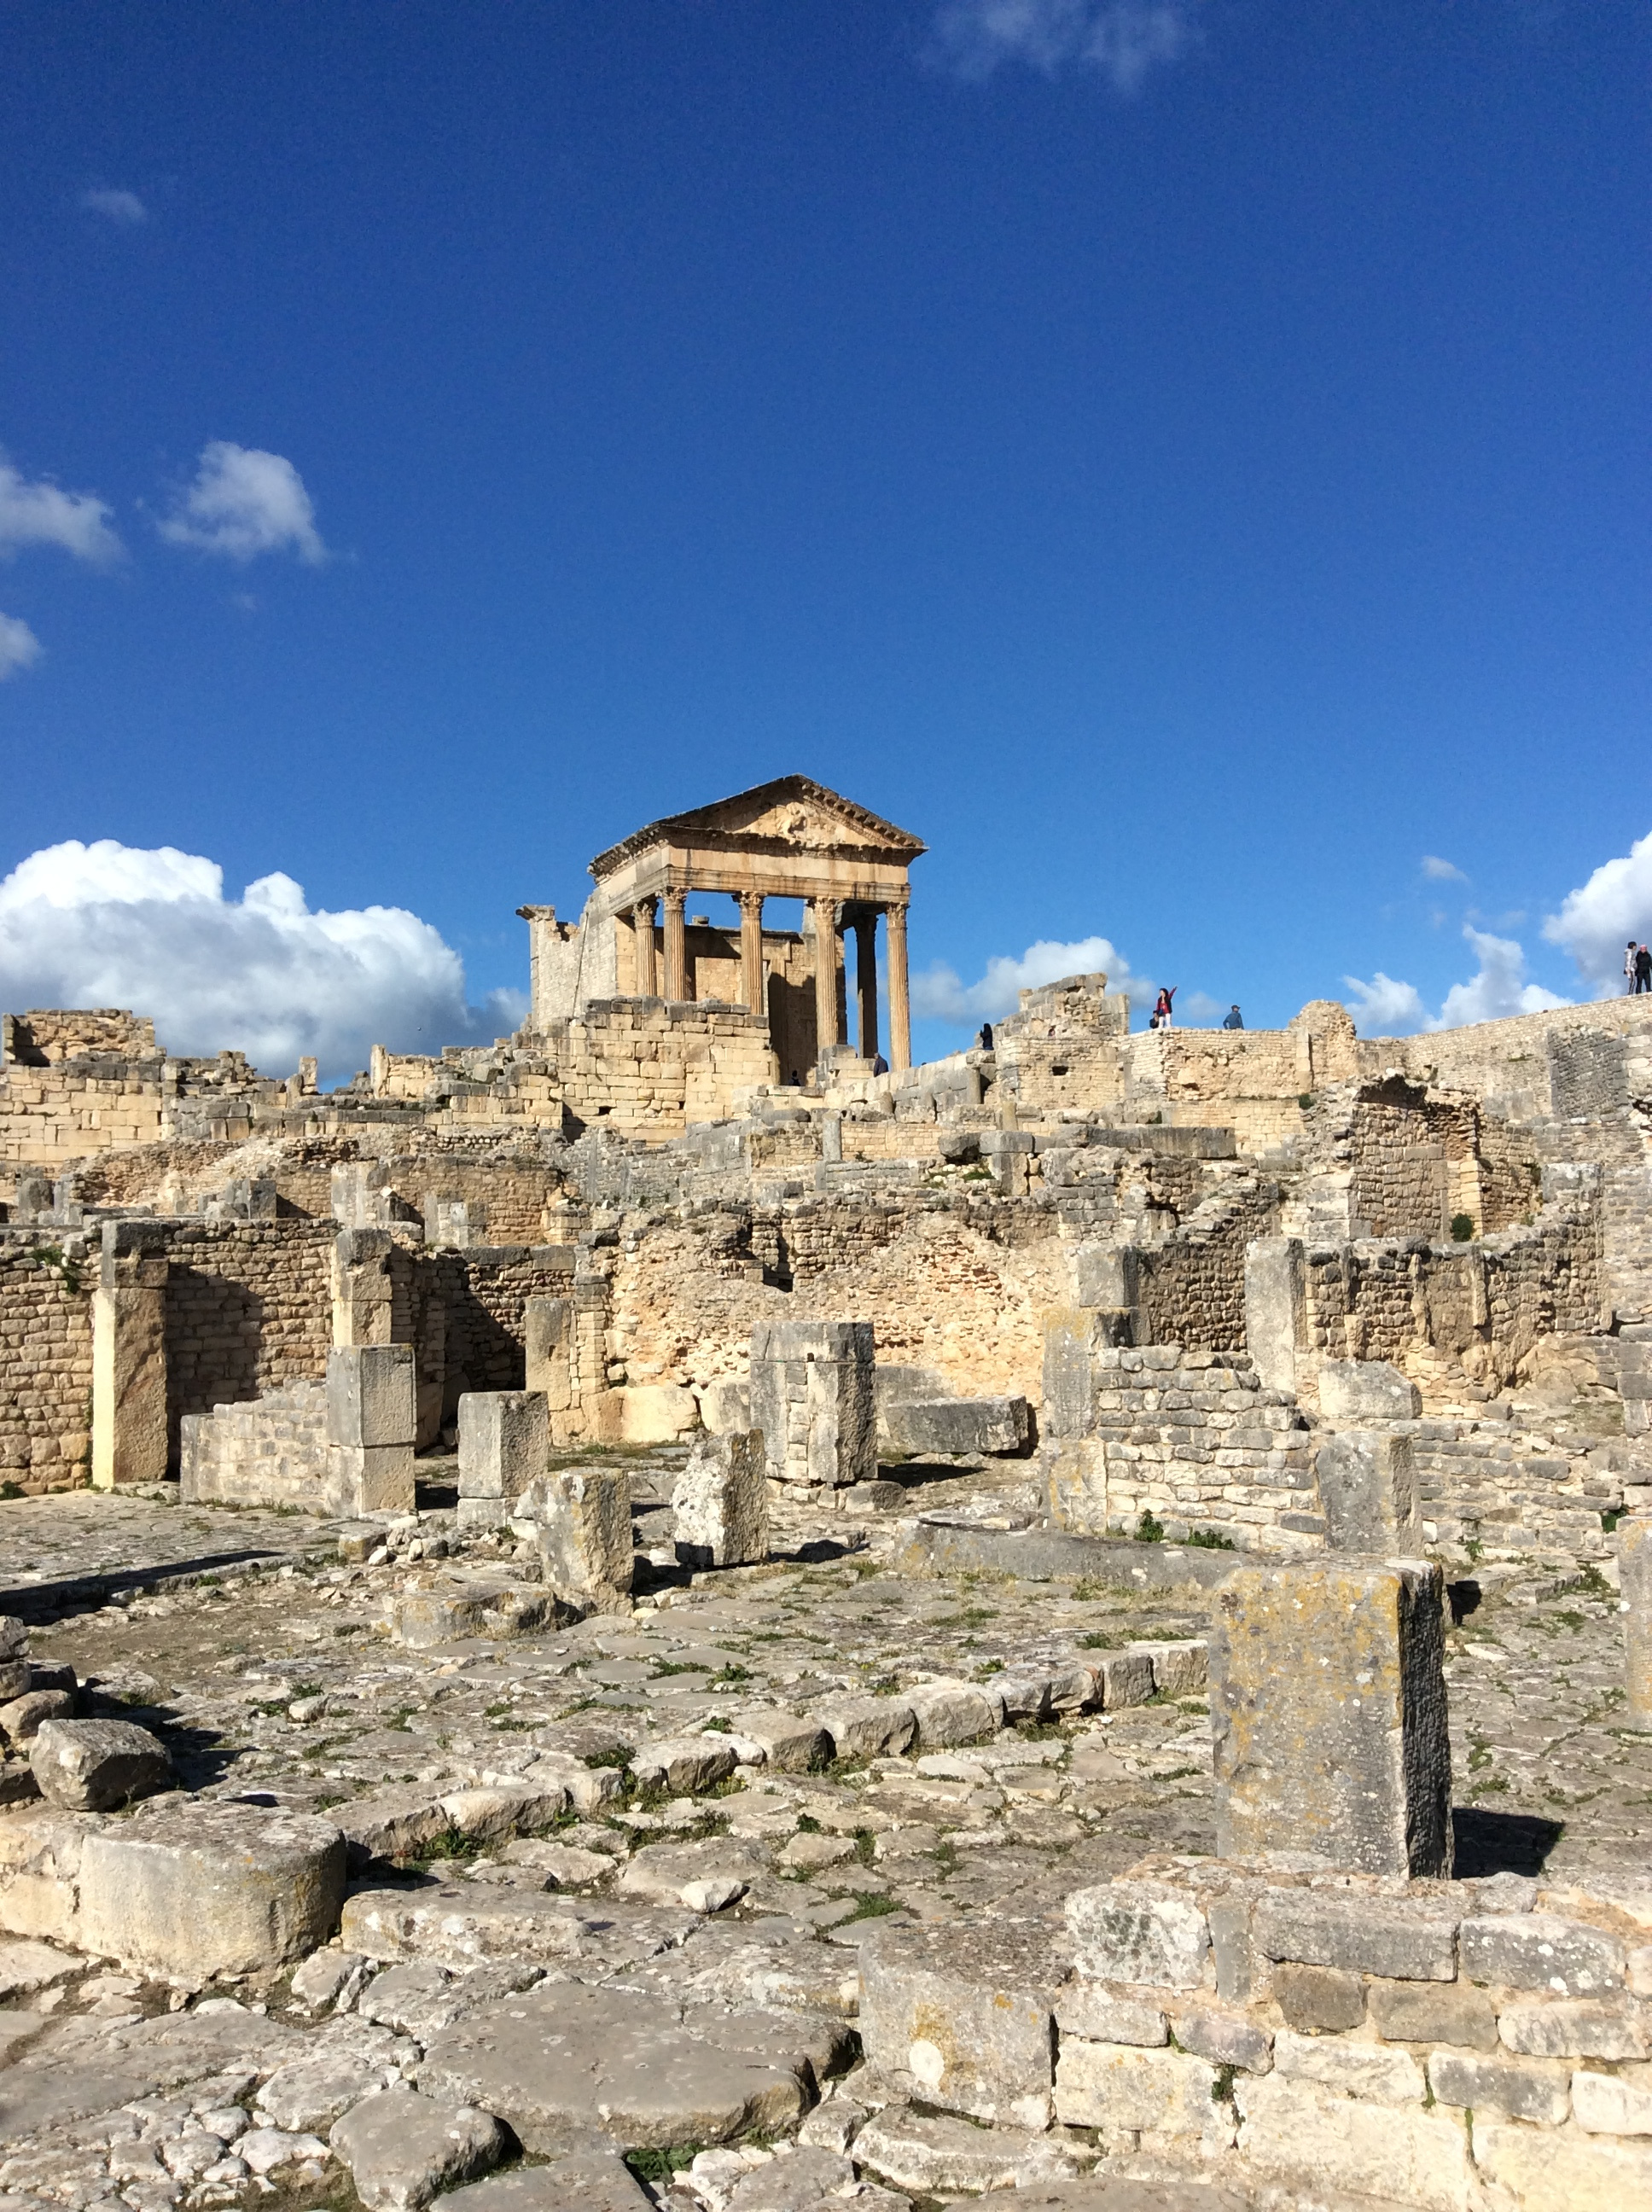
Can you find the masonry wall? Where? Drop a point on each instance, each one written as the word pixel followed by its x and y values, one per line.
pixel 46 1369
pixel 249 1308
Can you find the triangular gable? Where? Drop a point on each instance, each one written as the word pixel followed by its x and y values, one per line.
pixel 790 811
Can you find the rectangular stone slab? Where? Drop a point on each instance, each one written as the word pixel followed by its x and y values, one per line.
pixel 1328 1712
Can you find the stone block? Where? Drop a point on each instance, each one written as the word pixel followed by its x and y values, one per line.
pixel 1226 2039
pixel 720 1503
pixel 581 1518
pixel 966 2013
pixel 1635 1574
pixel 812 1396
pixel 504 1442
pixel 1541 1950
pixel 1328 1714
pixel 402 2149
pixel 1432 2012
pixel 1396 1937
pixel 1102 2015
pixel 1516 2088
pixel 1606 2104
pixel 190 1888
pixel 1367 1492
pixel 956 1426
pixel 1312 2136
pixel 1180 1670
pixel 725 1406
pixel 948 1713
pixel 868 1728
pixel 1543 2171
pixel 683 1764
pixel 1135 1932
pixel 1163 2092
pixel 1368 2071
pixel 931 2154
pixel 656 1412
pixel 1576 2027
pixel 1106 1278
pixel 1319 2000
pixel 21 1718
pixel 92 1766
pixel 1125 1678
pixel 593 2180
pixel 1354 1391
pixel 370 1396
pixel 791 1745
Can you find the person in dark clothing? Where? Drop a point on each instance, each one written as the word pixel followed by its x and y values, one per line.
pixel 1235 1019
pixel 1643 968
pixel 1161 1016
pixel 985 1040
pixel 879 1066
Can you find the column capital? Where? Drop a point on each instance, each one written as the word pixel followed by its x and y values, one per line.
pixel 676 898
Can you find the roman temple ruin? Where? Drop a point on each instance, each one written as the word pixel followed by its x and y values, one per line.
pixel 679 1610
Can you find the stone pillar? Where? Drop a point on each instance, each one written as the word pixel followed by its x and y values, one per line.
pixel 866 982
pixel 129 1369
pixel 677 964
pixel 825 914
pixel 1276 1308
pixel 370 1429
pixel 361 1287
pixel 504 1441
pixel 721 1503
pixel 360 1197
pixel 545 1343
pixel 1072 1459
pixel 1328 1715
pixel 643 979
pixel 751 953
pixel 1634 1571
pixel 900 1011
pixel 812 1396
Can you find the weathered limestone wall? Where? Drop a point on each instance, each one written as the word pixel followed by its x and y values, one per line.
pixel 249 1308
pixel 272 1451
pixel 45 1366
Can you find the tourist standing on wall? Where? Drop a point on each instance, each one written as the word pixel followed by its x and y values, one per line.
pixel 1643 968
pixel 1233 1019
pixel 1629 965
pixel 1162 1017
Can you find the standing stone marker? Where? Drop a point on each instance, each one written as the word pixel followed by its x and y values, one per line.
pixel 370 1429
pixel 721 1502
pixel 582 1518
pixel 1635 1570
pixel 129 1365
pixel 1367 1492
pixel 504 1441
pixel 812 1397
pixel 1328 1711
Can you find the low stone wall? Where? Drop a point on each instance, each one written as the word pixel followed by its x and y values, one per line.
pixel 46 1363
pixel 1418 2042
pixel 271 1452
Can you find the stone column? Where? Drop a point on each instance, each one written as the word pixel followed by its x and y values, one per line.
pixel 643 981
pixel 129 1370
pixel 1276 1308
pixel 677 964
pixel 825 914
pixel 362 1290
pixel 752 952
pixel 1635 1570
pixel 371 1420
pixel 1328 1715
pixel 504 1441
pixel 865 981
pixel 900 1014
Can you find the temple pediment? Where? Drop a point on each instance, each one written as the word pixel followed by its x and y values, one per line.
pixel 790 814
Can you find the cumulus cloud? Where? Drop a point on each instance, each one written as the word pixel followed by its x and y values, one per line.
pixel 1596 921
pixel 40 513
pixel 243 502
pixel 19 647
pixel 122 208
pixel 1384 1007
pixel 111 925
pixel 940 994
pixel 1122 39
pixel 1442 872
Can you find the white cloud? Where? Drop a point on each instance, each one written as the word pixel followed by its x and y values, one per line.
pixel 122 208
pixel 243 502
pixel 1442 872
pixel 940 994
pixel 19 647
pixel 111 925
pixel 1123 38
pixel 1596 921
pixel 40 513
pixel 1383 1007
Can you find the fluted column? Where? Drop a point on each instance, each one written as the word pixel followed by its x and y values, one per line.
pixel 676 963
pixel 752 952
pixel 865 981
pixel 900 1011
pixel 825 914
pixel 643 979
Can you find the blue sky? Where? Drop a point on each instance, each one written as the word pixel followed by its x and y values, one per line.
pixel 1184 459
